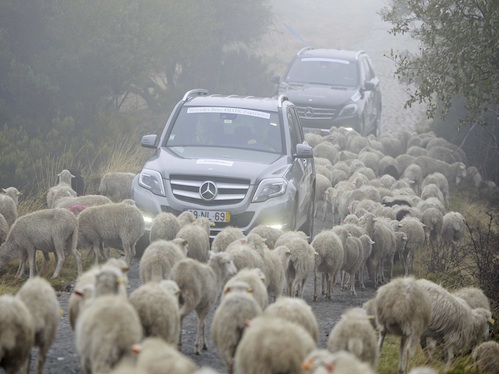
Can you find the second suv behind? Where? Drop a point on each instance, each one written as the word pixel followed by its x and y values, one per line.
pixel 332 88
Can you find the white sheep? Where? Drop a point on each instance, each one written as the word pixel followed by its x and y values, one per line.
pixel 119 224
pixel 159 257
pixel 474 296
pixel 454 172
pixel 61 190
pixel 367 247
pixel 226 236
pixel 116 185
pixel 277 261
pixel 105 331
pixel 8 208
pixel 272 345
pixel 164 226
pixel 354 333
pixel 97 281
pixel 301 261
pixel 403 161
pixel 352 261
pixel 321 361
pixel 441 182
pixel 157 306
pixel 269 234
pixel 433 219
pixel 249 252
pixel 4 229
pixel 255 278
pixel 414 229
pixel 155 356
pixel 384 244
pixel 73 203
pixel 453 228
pixel 414 173
pixel 199 286
pixel 295 310
pixel 17 334
pixel 197 235
pixel 453 325
pixel 402 308
pixel 329 260
pixel 12 192
pixel 49 230
pixel 40 298
pixel 485 357
pixel 186 218
pixel 230 320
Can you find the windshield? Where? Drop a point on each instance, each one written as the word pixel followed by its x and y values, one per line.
pixel 327 71
pixel 227 127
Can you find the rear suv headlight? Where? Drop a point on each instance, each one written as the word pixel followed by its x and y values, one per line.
pixel 269 188
pixel 152 180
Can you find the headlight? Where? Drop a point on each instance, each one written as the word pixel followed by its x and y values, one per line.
pixel 152 180
pixel 270 188
pixel 348 110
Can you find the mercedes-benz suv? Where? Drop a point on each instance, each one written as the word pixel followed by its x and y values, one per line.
pixel 240 161
pixel 332 88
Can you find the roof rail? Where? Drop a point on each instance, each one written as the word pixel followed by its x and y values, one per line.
pixel 195 92
pixel 281 99
pixel 304 49
pixel 358 54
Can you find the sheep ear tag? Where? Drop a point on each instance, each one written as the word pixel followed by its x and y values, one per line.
pixel 492 321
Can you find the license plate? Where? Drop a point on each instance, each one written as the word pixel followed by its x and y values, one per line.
pixel 213 216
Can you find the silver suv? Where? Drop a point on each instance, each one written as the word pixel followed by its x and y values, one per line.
pixel 240 161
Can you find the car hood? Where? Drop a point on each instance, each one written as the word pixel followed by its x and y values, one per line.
pixel 320 95
pixel 218 162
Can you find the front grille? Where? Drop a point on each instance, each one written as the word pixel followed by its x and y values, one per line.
pixel 312 113
pixel 230 191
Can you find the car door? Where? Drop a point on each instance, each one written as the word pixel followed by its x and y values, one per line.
pixel 371 97
pixel 303 169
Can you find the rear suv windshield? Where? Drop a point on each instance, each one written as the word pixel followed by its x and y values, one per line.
pixel 227 127
pixel 321 70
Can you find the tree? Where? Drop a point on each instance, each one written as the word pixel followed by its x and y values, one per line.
pixel 458 53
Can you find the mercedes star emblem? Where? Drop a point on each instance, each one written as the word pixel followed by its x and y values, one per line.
pixel 208 190
pixel 309 112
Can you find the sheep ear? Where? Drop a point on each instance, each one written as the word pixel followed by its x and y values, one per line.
pixel 492 321
pixel 307 365
pixel 250 290
pixel 136 349
pixel 78 292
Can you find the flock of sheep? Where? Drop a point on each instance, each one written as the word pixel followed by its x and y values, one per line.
pixel 388 197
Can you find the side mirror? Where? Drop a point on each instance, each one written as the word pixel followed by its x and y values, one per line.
pixel 149 141
pixel 276 79
pixel 304 151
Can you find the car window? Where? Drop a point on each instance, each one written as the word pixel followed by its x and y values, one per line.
pixel 226 127
pixel 329 71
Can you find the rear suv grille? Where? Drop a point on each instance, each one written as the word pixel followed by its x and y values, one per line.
pixel 311 113
pixel 226 191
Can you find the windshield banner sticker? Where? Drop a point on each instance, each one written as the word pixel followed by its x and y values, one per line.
pixel 214 162
pixel 245 112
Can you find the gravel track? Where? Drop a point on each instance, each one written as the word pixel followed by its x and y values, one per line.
pixel 326 23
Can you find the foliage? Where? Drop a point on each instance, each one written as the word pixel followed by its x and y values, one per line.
pixel 457 54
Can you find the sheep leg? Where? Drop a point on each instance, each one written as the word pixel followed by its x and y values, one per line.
pixel 32 262
pixel 60 261
pixel 179 345
pixel 381 339
pixel 42 354
pixel 352 284
pixel 22 265
pixel 315 285
pixel 199 336
pixel 403 365
pixel 46 260
pixel 324 278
